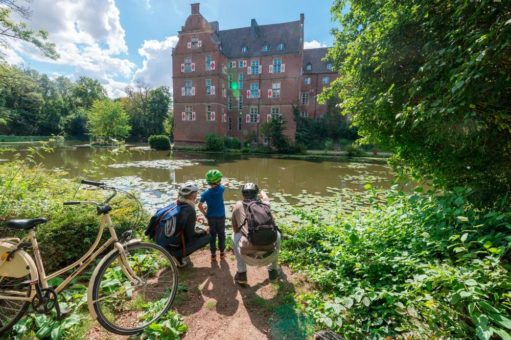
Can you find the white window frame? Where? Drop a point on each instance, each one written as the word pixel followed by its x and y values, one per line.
pixel 188 89
pixel 325 80
pixel 275 90
pixel 253 113
pixel 307 80
pixel 304 98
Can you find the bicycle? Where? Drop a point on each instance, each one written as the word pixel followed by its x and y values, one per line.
pixel 132 286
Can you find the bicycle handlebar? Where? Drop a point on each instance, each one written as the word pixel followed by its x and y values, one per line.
pixel 93 183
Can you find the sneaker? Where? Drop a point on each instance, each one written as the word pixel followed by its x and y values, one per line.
pixel 181 262
pixel 222 256
pixel 240 278
pixel 273 274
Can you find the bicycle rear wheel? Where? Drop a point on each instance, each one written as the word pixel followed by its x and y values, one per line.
pixel 12 310
pixel 126 306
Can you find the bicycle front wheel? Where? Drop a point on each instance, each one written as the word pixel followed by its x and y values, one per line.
pixel 130 293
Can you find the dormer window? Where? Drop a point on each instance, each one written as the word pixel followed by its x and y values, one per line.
pixel 280 47
pixel 195 42
pixel 266 48
pixel 308 67
pixel 244 49
pixel 329 66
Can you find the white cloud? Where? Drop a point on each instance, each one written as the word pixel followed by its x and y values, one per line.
pixel 89 37
pixel 147 4
pixel 313 44
pixel 157 65
pixel 10 56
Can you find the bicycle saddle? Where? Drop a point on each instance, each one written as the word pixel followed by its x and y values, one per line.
pixel 25 224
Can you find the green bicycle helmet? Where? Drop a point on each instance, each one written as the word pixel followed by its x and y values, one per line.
pixel 213 176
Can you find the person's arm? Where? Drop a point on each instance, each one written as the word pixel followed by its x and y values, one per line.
pixel 190 225
pixel 235 218
pixel 264 197
pixel 201 209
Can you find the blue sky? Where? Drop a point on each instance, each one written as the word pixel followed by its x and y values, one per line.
pixel 121 42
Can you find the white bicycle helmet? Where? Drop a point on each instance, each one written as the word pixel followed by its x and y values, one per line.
pixel 188 188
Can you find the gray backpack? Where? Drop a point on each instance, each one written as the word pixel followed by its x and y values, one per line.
pixel 262 230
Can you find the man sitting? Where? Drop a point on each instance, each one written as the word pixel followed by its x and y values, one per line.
pixel 188 240
pixel 245 251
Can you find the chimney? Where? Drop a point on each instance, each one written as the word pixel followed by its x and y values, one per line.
pixel 302 18
pixel 195 8
pixel 254 28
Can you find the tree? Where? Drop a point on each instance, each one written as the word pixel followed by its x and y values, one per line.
pixel 274 130
pixel 107 119
pixel 430 80
pixel 148 110
pixel 12 30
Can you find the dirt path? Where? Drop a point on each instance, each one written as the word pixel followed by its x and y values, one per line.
pixel 214 307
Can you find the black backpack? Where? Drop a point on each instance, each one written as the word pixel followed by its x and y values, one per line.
pixel 262 230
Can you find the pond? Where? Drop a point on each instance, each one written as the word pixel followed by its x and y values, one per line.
pixel 154 175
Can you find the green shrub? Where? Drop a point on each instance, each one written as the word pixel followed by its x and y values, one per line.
pixel 245 150
pixel 415 266
pixel 232 143
pixel 159 142
pixel 329 145
pixel 214 142
pixel 353 151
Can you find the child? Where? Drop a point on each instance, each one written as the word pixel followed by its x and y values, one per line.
pixel 215 213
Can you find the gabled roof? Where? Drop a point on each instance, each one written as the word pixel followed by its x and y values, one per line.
pixel 255 37
pixel 314 57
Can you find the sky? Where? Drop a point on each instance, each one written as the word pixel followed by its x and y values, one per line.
pixel 122 42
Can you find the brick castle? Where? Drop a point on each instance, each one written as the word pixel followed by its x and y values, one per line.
pixel 229 82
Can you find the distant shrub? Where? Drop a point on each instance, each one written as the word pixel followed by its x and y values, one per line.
pixel 354 151
pixel 159 142
pixel 214 142
pixel 232 143
pixel 329 145
pixel 245 150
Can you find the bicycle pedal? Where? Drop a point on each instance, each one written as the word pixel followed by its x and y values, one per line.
pixel 63 312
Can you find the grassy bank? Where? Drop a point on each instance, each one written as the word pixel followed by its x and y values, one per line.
pixel 27 192
pixel 18 139
pixel 414 265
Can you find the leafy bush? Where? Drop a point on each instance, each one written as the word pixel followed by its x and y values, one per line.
pixel 414 266
pixel 353 151
pixel 214 142
pixel 232 143
pixel 159 142
pixel 329 145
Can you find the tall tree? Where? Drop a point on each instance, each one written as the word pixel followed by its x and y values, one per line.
pixel 12 30
pixel 107 119
pixel 430 80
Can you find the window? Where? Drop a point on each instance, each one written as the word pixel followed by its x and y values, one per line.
pixel 188 88
pixel 240 103
pixel 254 67
pixel 329 66
pixel 253 114
pixel 244 49
pixel 280 47
pixel 307 80
pixel 210 115
pixel 195 42
pixel 229 103
pixel 266 48
pixel 208 86
pixel 240 64
pixel 188 64
pixel 326 80
pixel 304 114
pixel 277 65
pixel 240 120
pixel 308 67
pixel 275 90
pixel 254 90
pixel 229 123
pixel 240 81
pixel 266 140
pixel 275 112
pixel 209 63
pixel 305 98
pixel 188 113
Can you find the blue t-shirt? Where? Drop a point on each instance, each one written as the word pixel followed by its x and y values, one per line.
pixel 214 198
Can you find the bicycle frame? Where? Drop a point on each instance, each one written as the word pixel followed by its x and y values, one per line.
pixel 36 266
